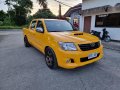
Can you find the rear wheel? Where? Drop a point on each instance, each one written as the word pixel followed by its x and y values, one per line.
pixel 26 43
pixel 50 58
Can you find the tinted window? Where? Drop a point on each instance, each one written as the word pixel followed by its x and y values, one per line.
pixel 109 20
pixel 39 27
pixel 58 26
pixel 39 24
pixel 33 25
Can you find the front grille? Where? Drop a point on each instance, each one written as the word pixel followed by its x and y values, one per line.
pixel 86 58
pixel 91 46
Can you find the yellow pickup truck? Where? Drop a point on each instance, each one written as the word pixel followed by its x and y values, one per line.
pixel 62 45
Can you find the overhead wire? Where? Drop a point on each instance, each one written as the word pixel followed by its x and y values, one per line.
pixel 62 3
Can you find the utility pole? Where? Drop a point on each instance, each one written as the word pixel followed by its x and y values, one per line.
pixel 61 3
pixel 60 11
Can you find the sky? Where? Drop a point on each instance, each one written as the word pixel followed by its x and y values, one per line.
pixel 51 4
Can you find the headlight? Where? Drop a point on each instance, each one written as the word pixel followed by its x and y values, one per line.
pixel 100 42
pixel 68 46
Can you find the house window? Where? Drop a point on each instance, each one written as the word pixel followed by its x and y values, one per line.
pixel 108 20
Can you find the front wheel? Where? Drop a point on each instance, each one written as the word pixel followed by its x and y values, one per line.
pixel 107 39
pixel 50 58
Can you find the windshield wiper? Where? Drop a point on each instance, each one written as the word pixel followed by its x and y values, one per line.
pixel 55 31
pixel 62 31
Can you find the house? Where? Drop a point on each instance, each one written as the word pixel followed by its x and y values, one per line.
pixel 74 14
pixel 99 14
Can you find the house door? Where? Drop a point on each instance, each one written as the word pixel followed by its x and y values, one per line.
pixel 87 24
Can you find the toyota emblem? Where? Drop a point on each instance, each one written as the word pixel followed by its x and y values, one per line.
pixel 92 45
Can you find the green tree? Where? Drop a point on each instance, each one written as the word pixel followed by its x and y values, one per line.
pixel 29 19
pixel 7 21
pixel 43 3
pixel 11 16
pixel 20 10
pixel 2 15
pixel 27 4
pixel 44 13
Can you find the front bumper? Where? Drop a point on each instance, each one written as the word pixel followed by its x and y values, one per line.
pixel 62 56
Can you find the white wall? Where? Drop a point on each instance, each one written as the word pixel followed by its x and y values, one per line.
pixel 97 3
pixel 113 32
pixel 73 15
pixel 87 4
pixel 81 23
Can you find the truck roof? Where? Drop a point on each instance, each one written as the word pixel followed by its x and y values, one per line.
pixel 46 19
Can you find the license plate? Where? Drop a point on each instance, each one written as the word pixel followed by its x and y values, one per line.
pixel 93 55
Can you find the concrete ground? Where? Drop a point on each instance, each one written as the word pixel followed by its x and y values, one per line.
pixel 25 69
pixel 112 45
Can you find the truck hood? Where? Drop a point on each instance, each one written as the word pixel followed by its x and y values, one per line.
pixel 75 36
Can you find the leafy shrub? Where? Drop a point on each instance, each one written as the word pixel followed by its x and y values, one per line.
pixel 7 21
pixel 1 23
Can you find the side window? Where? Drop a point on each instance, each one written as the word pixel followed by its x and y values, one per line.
pixel 39 24
pixel 33 25
pixel 39 27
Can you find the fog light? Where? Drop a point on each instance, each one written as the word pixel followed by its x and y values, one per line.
pixel 70 61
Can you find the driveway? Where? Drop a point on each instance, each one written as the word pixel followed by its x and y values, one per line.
pixel 25 69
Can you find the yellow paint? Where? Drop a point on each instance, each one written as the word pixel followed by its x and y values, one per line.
pixel 51 39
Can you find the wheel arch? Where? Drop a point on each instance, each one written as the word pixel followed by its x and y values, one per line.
pixel 25 35
pixel 56 62
pixel 46 48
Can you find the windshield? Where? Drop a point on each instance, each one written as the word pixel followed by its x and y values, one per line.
pixel 58 25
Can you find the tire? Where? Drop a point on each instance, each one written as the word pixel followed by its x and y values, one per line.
pixel 26 43
pixel 107 39
pixel 50 58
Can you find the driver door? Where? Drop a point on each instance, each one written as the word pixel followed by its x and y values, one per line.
pixel 31 34
pixel 40 36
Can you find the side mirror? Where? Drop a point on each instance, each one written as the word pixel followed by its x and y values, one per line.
pixel 39 29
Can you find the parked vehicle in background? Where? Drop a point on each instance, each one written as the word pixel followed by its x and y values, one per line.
pixel 104 37
pixel 96 33
pixel 62 45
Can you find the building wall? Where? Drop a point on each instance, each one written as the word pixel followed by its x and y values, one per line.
pixel 73 15
pixel 87 4
pixel 97 3
pixel 113 32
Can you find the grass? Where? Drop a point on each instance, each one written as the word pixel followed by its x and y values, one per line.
pixel 11 27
